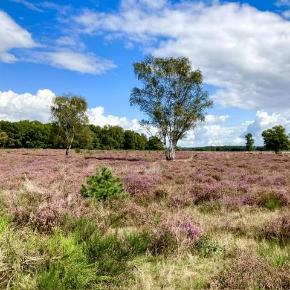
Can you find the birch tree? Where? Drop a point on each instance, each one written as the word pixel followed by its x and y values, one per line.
pixel 172 97
pixel 70 114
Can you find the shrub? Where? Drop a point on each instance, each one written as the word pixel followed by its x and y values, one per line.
pixel 68 267
pixel 77 150
pixel 273 200
pixel 208 247
pixel 172 235
pixel 141 185
pixel 277 229
pixel 248 271
pixel 110 252
pixel 103 185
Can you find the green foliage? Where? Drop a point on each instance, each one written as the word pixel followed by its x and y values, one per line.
pixel 70 270
pixel 133 140
pixel 3 139
pixel 77 150
pixel 103 185
pixel 112 137
pixel 110 252
pixel 33 134
pixel 27 134
pixel 70 115
pixel 172 97
pixel 249 142
pixel 276 139
pixel 154 143
pixel 208 247
pixel 272 201
pixel 276 255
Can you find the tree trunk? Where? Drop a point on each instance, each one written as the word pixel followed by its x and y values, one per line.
pixel 170 153
pixel 67 151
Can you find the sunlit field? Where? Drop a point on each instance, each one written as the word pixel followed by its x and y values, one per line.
pixel 207 220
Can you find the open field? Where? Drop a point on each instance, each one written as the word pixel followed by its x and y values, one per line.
pixel 206 220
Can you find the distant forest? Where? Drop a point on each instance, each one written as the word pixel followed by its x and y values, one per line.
pixel 34 134
pixel 223 148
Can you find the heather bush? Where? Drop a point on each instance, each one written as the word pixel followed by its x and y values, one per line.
pixel 277 229
pixel 103 185
pixel 140 185
pixel 41 210
pixel 248 271
pixel 172 235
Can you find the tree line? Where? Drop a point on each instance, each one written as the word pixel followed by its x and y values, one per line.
pixel 34 134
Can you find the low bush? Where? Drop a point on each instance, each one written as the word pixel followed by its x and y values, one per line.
pixel 108 251
pixel 277 229
pixel 248 271
pixel 207 247
pixel 42 211
pixel 68 267
pixel 103 185
pixel 273 200
pixel 172 235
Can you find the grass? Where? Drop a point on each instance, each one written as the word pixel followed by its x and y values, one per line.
pixel 205 221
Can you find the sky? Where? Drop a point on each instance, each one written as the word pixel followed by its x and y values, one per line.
pixel 87 47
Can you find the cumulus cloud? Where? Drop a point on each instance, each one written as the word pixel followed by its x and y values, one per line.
pixel 242 51
pixel 97 117
pixel 265 120
pixel 213 132
pixel 26 106
pixel 12 36
pixel 74 61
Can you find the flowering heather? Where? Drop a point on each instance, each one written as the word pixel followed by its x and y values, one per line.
pixel 278 229
pixel 199 222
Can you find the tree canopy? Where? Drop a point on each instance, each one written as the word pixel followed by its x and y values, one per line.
pixel 276 139
pixel 249 142
pixel 172 97
pixel 70 114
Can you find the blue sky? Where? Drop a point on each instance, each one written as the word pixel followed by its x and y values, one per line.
pixel 88 47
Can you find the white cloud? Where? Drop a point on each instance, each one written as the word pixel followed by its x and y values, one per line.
pixel 26 106
pixel 265 120
pixel 210 119
pixel 74 61
pixel 214 133
pixel 242 51
pixel 12 36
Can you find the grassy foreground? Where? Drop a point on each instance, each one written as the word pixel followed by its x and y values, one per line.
pixel 205 221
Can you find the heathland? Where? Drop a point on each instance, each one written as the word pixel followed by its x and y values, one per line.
pixel 131 220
